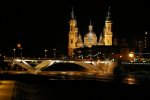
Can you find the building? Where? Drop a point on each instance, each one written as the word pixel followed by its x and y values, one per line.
pixel 90 39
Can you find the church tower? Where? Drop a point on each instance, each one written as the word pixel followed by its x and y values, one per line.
pixel 107 30
pixel 73 32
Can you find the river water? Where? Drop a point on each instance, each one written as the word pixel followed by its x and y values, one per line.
pixel 28 88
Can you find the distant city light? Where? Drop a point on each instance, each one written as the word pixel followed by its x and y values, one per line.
pixel 131 55
pixel 19 45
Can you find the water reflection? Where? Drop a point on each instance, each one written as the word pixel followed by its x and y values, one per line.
pixel 47 87
pixel 63 88
pixel 129 79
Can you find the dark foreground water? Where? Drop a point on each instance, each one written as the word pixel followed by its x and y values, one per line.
pixel 36 87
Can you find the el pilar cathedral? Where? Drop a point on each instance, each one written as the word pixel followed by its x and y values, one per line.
pixel 90 39
pixel 108 45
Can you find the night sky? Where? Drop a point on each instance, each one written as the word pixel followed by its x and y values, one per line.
pixel 45 24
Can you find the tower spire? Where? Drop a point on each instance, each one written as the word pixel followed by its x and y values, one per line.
pixel 90 26
pixel 90 22
pixel 72 13
pixel 108 14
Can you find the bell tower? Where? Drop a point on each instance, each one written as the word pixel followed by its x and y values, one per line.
pixel 73 32
pixel 107 30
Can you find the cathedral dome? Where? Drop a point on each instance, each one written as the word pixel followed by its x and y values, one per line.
pixel 90 38
pixel 90 34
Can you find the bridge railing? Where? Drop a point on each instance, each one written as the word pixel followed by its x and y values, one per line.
pixel 136 63
pixel 38 58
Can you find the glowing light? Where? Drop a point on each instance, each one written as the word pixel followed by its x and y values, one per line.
pixel 19 45
pixel 131 55
pixel 130 80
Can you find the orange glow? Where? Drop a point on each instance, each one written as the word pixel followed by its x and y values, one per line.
pixel 131 55
pixel 130 80
pixel 18 45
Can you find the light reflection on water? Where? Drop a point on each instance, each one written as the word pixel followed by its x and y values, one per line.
pixel 129 79
pixel 57 84
pixel 60 87
pixel 54 89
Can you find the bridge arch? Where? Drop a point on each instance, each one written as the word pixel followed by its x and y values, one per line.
pixel 65 67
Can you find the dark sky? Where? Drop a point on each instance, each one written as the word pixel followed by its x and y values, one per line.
pixel 44 24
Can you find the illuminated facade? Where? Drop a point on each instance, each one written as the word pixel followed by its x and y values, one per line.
pixel 90 38
pixel 107 31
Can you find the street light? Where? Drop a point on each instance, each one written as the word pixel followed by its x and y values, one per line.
pixel 90 54
pixel 54 51
pixel 45 52
pixel 14 52
pixel 99 53
pixel 113 56
pixel 79 54
pixel 21 53
pixel 131 56
pixel 20 47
